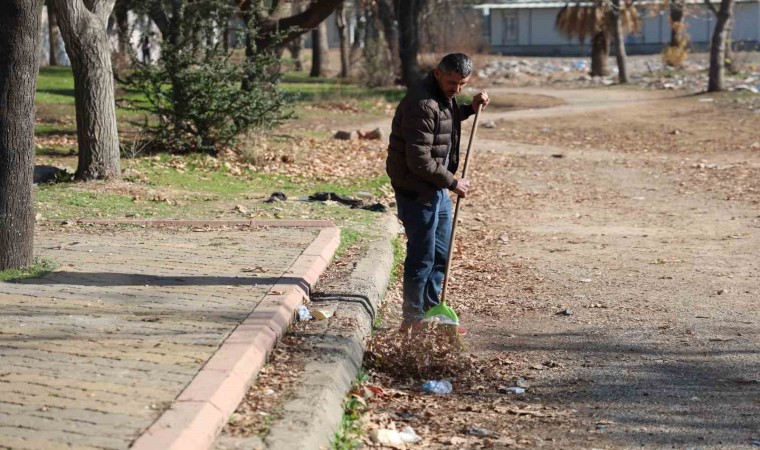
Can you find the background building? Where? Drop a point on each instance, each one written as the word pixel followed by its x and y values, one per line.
pixel 526 27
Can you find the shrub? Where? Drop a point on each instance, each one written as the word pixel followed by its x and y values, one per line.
pixel 203 97
pixel 674 56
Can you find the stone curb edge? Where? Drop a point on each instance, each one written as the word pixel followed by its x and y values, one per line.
pixel 200 412
pixel 311 419
pixel 151 223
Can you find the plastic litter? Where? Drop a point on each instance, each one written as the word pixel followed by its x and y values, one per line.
pixel 386 437
pixel 440 319
pixel 343 199
pixel 513 390
pixel 480 432
pixel 409 436
pixel 321 314
pixel 440 387
pixel 303 313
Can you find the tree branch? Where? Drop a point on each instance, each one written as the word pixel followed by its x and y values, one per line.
pixel 711 6
pixel 293 26
pixel 101 8
pixel 159 16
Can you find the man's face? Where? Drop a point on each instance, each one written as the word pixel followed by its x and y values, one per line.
pixel 451 83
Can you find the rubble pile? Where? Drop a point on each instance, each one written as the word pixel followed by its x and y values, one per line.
pixel 644 70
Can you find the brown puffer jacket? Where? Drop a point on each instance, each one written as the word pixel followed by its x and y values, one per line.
pixel 426 125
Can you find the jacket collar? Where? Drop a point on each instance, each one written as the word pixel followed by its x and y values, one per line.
pixel 440 96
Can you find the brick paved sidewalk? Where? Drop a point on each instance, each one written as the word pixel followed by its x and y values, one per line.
pixel 93 353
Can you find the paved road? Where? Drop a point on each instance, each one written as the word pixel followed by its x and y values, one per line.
pixel 91 354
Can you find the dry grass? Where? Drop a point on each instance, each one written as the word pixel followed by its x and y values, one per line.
pixel 675 56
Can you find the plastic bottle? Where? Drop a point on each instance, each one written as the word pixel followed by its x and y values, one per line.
pixel 441 387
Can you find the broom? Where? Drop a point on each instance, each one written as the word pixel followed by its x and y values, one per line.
pixel 442 313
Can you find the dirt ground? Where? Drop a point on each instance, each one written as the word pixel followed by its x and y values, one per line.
pixel 610 257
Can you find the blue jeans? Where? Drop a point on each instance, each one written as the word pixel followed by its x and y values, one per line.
pixel 428 231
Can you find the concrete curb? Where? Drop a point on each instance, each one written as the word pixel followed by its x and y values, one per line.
pixel 150 223
pixel 312 417
pixel 198 414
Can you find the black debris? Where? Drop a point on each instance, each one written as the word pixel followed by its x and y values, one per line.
pixel 276 197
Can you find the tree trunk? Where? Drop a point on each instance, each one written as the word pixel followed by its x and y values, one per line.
pixel 676 23
pixel 54 35
pixel 20 46
pixel 84 32
pixel 360 17
pixel 316 56
pixel 408 13
pixel 345 49
pixel 296 45
pixel 600 50
pixel 716 81
pixel 121 12
pixel 319 51
pixel 728 56
pixel 620 56
pixel 390 32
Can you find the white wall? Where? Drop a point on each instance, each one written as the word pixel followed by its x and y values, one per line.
pixel 747 22
pixel 655 27
pixel 497 26
pixel 544 32
pixel 700 23
pixel 536 27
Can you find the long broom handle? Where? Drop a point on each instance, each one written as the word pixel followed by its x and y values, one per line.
pixel 456 209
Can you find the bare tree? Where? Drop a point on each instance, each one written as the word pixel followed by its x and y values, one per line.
pixel 408 17
pixel 720 35
pixel 361 9
pixel 20 45
pixel 600 50
pixel 390 32
pixel 615 13
pixel 296 45
pixel 345 46
pixel 54 34
pixel 677 32
pixel 121 16
pixel 275 27
pixel 728 58
pixel 83 26
pixel 320 54
pixel 277 22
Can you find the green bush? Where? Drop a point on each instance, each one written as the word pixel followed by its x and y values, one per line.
pixel 203 93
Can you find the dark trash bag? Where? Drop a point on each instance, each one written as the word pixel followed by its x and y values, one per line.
pixel 276 197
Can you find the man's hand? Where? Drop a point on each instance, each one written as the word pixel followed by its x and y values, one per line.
pixel 463 185
pixel 480 99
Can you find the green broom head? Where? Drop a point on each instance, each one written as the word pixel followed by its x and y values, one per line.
pixel 442 314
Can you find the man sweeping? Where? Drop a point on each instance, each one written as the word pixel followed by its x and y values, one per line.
pixel 423 156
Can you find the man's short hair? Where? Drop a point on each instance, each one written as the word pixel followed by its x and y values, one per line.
pixel 456 62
